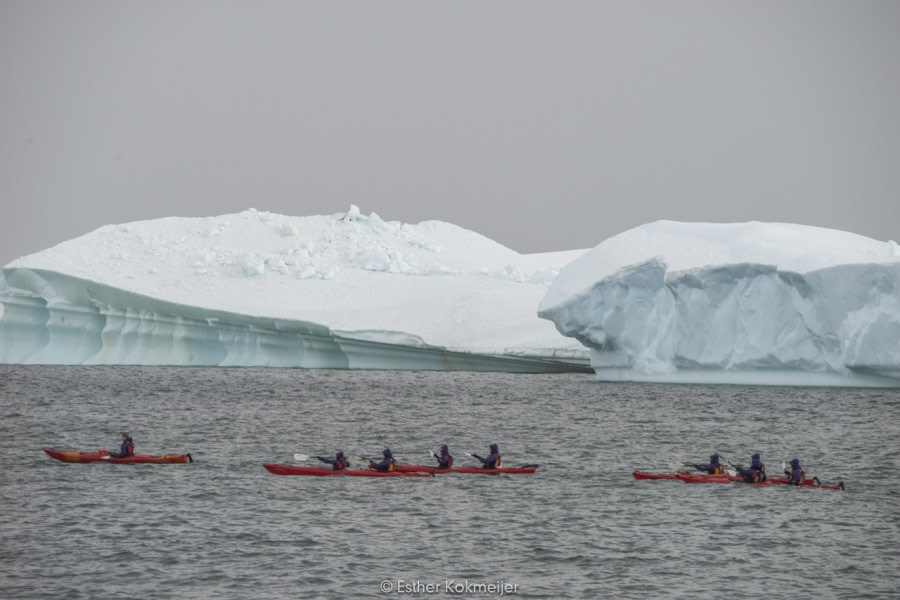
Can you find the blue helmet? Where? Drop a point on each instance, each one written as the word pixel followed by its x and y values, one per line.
pixel 387 453
pixel 339 455
pixel 714 459
pixel 756 462
pixel 445 450
pixel 795 462
pixel 495 449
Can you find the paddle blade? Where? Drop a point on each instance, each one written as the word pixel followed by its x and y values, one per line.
pixel 300 457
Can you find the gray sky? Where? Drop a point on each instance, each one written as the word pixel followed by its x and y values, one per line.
pixel 543 125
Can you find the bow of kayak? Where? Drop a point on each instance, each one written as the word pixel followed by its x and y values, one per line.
pixel 74 456
pixel 277 469
pixel 812 483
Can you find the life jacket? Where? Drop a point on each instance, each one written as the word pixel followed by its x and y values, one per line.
pixel 493 465
pixel 761 473
pixel 449 464
pixel 390 467
pixel 790 477
pixel 128 446
pixel 717 470
pixel 340 465
pixel 752 478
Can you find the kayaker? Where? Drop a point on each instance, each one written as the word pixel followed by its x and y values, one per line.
pixel 713 468
pixel 386 465
pixel 338 463
pixel 127 448
pixel 757 464
pixel 755 473
pixel 796 476
pixel 492 461
pixel 445 461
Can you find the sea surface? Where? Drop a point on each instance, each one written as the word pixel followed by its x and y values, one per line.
pixel 582 527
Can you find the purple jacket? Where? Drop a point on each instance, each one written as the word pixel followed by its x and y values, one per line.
pixel 492 461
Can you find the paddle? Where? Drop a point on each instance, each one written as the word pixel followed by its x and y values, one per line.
pixel 733 466
pixel 473 456
pixel 694 465
pixel 362 458
pixel 300 457
pixel 476 458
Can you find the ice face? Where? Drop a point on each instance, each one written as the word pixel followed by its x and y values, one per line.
pixel 735 303
pixel 259 289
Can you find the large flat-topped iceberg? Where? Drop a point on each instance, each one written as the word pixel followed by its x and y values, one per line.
pixel 256 288
pixel 768 303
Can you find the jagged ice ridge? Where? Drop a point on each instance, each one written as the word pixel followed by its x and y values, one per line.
pixel 751 303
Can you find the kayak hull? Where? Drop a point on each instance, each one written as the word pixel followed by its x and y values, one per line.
pixel 277 469
pixel 690 478
pixel 646 475
pixel 74 456
pixel 525 470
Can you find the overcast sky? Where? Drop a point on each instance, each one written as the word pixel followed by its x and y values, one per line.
pixel 543 125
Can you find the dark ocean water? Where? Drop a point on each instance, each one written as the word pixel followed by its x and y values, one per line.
pixel 582 527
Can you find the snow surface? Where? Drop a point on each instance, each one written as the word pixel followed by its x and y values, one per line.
pixel 735 303
pixel 256 288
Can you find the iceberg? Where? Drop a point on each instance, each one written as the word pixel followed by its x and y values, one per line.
pixel 343 291
pixel 746 303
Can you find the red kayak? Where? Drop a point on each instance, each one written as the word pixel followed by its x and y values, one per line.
pixel 74 456
pixel 524 469
pixel 326 472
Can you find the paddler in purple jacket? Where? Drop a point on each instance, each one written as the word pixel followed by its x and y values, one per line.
pixel 713 468
pixel 756 472
pixel 445 461
pixel 493 460
pixel 796 475
pixel 127 448
pixel 386 465
pixel 338 463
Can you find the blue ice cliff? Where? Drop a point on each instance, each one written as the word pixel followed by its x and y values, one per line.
pixel 758 303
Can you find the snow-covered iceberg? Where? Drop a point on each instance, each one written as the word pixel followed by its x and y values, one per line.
pixel 261 289
pixel 766 303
